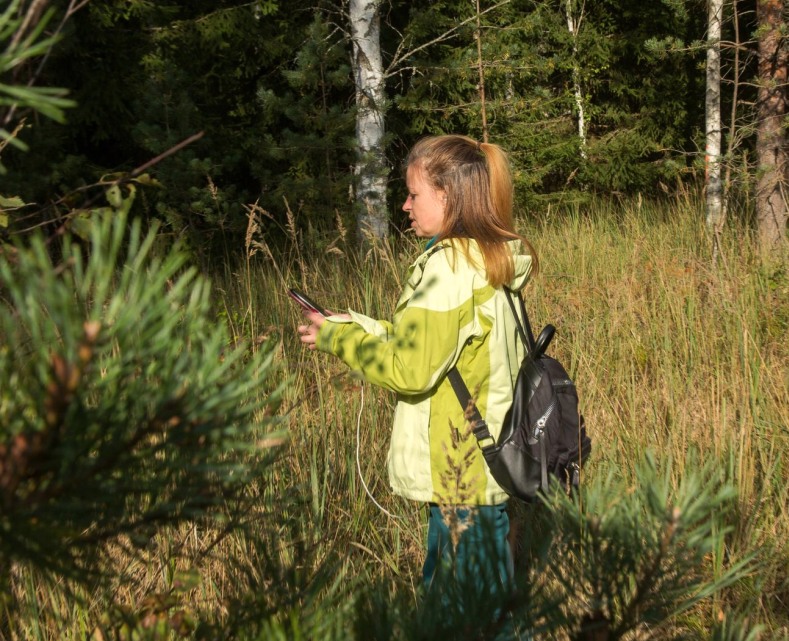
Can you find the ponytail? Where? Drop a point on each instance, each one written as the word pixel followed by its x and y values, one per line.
pixel 477 180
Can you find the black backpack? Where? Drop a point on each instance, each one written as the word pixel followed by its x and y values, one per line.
pixel 543 434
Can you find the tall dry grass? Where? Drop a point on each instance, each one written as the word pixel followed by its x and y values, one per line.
pixel 676 351
pixel 672 351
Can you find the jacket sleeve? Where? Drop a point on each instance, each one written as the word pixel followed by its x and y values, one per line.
pixel 424 341
pixel 380 328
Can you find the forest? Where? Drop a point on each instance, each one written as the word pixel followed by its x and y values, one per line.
pixel 175 465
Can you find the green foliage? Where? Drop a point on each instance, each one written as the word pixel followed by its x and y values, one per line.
pixel 614 561
pixel 531 61
pixel 632 560
pixel 123 405
pixel 21 49
pixel 307 129
pixel 270 88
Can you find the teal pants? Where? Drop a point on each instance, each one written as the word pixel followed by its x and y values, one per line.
pixel 482 560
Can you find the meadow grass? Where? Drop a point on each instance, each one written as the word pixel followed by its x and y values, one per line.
pixel 673 350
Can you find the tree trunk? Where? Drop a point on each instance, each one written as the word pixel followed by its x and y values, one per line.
pixel 481 72
pixel 734 134
pixel 573 24
pixel 371 170
pixel 713 118
pixel 771 142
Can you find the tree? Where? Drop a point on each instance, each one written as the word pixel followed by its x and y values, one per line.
pixel 124 406
pixel 24 29
pixel 713 117
pixel 146 76
pixel 633 566
pixel 743 48
pixel 371 171
pixel 574 21
pixel 306 153
pixel 772 202
pixel 622 560
pixel 272 89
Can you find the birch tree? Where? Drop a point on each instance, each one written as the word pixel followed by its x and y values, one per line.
pixel 573 25
pixel 771 142
pixel 713 116
pixel 481 71
pixel 370 171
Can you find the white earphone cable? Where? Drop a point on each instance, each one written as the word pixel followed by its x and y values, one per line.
pixel 358 460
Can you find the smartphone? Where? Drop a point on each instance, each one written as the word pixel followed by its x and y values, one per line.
pixel 306 302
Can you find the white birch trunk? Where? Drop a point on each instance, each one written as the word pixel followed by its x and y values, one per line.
pixel 573 24
pixel 371 170
pixel 712 159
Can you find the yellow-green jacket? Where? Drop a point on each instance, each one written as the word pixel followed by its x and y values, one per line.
pixel 447 315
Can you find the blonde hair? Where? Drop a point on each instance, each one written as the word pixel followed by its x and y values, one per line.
pixel 477 182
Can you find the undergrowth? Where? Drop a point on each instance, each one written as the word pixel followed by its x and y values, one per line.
pixel 674 350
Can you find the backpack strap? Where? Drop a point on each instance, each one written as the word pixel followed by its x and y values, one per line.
pixel 479 426
pixel 524 328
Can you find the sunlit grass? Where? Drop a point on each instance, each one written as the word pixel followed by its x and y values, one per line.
pixel 672 350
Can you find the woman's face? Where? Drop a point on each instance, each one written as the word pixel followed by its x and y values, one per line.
pixel 425 205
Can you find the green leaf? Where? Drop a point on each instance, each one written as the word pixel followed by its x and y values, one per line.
pixel 13 202
pixel 12 140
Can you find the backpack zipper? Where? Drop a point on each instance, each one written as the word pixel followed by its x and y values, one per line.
pixel 540 425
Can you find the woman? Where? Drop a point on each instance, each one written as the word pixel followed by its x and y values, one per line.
pixel 452 312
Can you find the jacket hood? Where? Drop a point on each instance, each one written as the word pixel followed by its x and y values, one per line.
pixel 523 265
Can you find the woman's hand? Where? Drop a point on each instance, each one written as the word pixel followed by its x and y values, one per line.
pixel 309 332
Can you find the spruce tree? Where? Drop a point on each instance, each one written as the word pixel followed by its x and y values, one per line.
pixel 306 125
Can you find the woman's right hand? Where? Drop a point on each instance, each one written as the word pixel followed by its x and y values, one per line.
pixel 308 334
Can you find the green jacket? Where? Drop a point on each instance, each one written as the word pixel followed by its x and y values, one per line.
pixel 447 315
